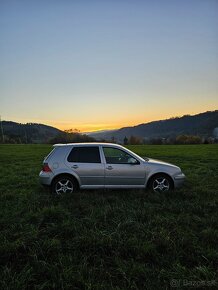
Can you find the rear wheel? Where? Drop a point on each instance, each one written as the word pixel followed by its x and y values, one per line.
pixel 161 183
pixel 63 184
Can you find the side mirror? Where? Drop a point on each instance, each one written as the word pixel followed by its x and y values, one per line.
pixel 132 161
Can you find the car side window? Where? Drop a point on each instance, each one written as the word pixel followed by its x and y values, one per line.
pixel 117 156
pixel 84 155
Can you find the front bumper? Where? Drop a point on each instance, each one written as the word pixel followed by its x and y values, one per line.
pixel 179 179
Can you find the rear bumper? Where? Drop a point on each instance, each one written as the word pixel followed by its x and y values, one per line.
pixel 45 178
pixel 179 180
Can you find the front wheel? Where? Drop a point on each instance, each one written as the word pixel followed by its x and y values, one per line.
pixel 63 184
pixel 161 183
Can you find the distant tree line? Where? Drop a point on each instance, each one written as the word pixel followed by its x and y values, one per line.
pixel 180 139
pixel 70 136
pixel 74 136
pixel 60 138
pixel 12 139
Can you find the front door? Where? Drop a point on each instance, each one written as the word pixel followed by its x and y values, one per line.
pixel 122 169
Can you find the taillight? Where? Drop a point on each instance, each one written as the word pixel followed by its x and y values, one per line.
pixel 46 168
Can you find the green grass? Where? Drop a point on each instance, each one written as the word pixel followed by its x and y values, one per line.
pixel 112 239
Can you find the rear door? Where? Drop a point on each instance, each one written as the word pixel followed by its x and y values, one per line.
pixel 122 169
pixel 85 161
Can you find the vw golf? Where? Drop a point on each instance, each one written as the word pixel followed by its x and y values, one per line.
pixel 74 166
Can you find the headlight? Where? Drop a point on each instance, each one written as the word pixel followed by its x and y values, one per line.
pixel 179 176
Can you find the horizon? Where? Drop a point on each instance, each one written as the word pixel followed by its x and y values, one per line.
pixel 106 65
pixel 98 131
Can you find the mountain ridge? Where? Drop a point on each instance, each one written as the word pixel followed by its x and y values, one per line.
pixel 202 124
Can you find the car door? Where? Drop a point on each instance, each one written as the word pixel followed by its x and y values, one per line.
pixel 85 161
pixel 122 169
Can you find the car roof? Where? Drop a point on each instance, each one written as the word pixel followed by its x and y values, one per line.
pixel 87 144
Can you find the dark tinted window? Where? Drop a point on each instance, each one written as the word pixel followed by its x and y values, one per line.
pixel 84 155
pixel 117 156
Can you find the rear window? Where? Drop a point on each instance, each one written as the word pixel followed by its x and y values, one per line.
pixel 84 155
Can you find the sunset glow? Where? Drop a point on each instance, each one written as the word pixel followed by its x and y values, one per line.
pixel 100 65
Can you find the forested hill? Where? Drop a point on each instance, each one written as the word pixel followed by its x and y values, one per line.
pixel 201 124
pixel 28 133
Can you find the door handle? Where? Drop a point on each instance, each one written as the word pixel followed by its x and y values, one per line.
pixel 109 167
pixel 74 166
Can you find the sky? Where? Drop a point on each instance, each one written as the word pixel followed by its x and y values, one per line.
pixel 95 65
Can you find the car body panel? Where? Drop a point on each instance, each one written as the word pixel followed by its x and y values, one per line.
pixel 106 175
pixel 151 161
pixel 88 173
pixel 124 174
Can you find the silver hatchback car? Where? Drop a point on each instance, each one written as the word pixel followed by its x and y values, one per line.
pixel 74 166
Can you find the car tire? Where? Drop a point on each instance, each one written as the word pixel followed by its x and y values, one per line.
pixel 63 184
pixel 160 183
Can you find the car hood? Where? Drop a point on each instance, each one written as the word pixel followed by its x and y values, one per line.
pixel 160 163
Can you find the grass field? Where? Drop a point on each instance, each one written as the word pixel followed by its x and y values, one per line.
pixel 112 239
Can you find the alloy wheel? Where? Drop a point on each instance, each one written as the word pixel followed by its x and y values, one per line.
pixel 161 184
pixel 64 186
